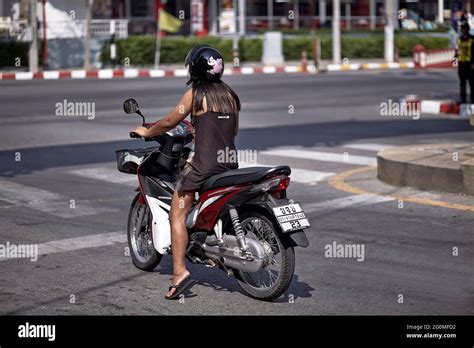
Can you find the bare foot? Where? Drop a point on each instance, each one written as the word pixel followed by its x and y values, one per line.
pixel 177 279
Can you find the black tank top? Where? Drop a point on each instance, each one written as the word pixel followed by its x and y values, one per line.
pixel 214 148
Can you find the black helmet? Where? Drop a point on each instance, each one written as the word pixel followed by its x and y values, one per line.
pixel 465 25
pixel 205 64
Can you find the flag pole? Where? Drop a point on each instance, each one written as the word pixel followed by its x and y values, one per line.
pixel 158 41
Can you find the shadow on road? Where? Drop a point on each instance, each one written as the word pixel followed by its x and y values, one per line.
pixel 218 281
pixel 330 134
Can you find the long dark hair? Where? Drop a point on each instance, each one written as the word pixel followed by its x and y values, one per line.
pixel 219 97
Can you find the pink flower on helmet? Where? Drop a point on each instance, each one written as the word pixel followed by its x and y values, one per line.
pixel 216 65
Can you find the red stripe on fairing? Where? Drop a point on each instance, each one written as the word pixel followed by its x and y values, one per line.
pixel 207 218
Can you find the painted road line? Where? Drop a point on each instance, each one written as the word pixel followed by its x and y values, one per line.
pixel 301 176
pixel 369 147
pixel 48 202
pixel 339 182
pixel 111 175
pixel 79 243
pixel 346 202
pixel 322 156
pixel 107 174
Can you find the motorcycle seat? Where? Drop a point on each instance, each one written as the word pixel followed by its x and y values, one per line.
pixel 243 176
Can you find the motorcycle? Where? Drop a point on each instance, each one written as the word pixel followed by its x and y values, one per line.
pixel 240 222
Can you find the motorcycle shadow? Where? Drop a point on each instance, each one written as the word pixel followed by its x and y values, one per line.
pixel 216 280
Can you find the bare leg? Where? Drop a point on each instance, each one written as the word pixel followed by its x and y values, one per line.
pixel 180 206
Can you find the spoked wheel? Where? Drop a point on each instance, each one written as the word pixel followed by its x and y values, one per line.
pixel 275 277
pixel 140 240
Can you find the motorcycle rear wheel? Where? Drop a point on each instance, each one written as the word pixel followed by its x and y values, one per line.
pixel 140 241
pixel 274 279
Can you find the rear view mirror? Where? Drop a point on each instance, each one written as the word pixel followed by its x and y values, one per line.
pixel 130 106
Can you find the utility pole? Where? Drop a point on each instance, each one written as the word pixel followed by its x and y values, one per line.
pixel 440 11
pixel 322 12
pixel 296 10
pixel 33 53
pixel 242 17
pixel 389 32
pixel 336 31
pixel 373 14
pixel 87 37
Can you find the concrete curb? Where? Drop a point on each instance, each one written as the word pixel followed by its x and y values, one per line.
pixel 145 73
pixel 434 167
pixel 156 73
pixel 437 107
pixel 369 66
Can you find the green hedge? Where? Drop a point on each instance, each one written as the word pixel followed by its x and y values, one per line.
pixel 141 49
pixel 361 47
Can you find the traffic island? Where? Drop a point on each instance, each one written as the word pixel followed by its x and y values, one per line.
pixel 434 167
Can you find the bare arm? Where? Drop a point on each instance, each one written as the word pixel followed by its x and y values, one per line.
pixel 179 113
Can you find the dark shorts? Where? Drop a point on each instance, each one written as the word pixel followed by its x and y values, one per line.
pixel 189 180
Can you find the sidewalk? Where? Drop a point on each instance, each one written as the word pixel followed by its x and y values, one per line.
pixel 435 167
pixel 178 70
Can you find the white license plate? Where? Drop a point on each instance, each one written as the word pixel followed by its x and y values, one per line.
pixel 291 217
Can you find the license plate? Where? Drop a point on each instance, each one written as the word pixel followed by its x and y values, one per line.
pixel 291 217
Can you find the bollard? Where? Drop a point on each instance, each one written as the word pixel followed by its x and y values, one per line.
pixel 304 61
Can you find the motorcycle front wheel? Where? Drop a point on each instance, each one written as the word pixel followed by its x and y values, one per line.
pixel 139 234
pixel 275 277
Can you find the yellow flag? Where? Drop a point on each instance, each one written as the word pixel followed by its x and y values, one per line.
pixel 168 22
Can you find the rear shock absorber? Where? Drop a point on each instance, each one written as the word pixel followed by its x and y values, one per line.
pixel 239 233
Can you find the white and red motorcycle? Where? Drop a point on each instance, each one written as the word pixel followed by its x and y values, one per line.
pixel 241 222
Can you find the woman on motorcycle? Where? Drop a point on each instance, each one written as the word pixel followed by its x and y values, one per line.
pixel 214 109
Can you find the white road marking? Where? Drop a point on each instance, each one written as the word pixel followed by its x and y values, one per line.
pixel 111 175
pixel 48 202
pixel 302 176
pixel 322 156
pixel 369 147
pixel 78 243
pixel 346 202
pixel 108 174
pixel 111 238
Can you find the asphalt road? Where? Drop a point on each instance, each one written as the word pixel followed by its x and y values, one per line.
pixel 59 189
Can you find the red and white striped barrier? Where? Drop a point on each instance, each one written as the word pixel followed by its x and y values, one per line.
pixel 435 58
pixel 369 66
pixel 436 107
pixel 143 73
